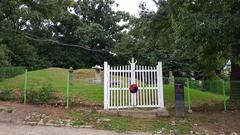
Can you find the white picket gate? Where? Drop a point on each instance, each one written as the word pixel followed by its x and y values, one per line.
pixel 117 80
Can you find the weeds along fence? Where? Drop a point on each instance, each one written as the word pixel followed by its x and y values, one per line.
pixel 67 87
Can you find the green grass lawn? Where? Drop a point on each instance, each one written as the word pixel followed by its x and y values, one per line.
pixel 82 86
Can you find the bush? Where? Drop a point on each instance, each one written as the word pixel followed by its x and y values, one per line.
pixel 196 84
pixel 214 86
pixel 41 96
pixel 6 94
pixel 8 72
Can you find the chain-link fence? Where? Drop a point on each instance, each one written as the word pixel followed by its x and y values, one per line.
pixel 11 83
pixel 46 86
pixel 85 86
pixel 201 94
pixel 55 86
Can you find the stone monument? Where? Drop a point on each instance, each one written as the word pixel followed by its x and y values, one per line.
pixel 98 78
pixel 171 78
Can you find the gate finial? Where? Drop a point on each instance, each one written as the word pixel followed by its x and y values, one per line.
pixel 132 61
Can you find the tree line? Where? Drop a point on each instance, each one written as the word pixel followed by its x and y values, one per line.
pixel 193 38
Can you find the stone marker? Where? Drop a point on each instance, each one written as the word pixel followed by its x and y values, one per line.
pixel 98 78
pixel 179 98
pixel 171 77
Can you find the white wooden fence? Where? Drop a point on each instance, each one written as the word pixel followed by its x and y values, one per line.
pixel 117 80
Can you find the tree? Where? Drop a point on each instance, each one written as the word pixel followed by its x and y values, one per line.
pixel 207 30
pixel 235 50
pixel 21 19
pixel 41 26
pixel 99 14
pixel 4 52
pixel 93 25
pixel 141 43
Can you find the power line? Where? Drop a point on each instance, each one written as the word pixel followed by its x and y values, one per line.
pixel 64 44
pixel 38 39
pixel 54 41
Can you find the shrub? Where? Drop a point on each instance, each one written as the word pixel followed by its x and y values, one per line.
pixel 41 96
pixel 8 72
pixel 6 94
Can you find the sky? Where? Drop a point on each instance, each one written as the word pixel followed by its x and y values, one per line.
pixel 131 6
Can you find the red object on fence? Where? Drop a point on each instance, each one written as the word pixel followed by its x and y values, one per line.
pixel 133 88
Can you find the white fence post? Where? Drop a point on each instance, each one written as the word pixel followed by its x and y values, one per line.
pixel 133 80
pixel 106 79
pixel 160 85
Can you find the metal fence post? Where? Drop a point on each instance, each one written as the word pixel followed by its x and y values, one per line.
pixel 25 86
pixel 224 94
pixel 68 87
pixel 189 98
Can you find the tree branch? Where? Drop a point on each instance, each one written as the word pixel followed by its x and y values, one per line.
pixel 156 2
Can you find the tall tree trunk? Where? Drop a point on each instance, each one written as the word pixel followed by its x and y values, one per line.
pixel 235 71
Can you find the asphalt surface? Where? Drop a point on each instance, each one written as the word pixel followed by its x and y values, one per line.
pixel 13 129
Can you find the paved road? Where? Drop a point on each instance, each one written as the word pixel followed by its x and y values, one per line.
pixel 11 129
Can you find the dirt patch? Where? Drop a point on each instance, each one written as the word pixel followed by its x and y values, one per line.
pixel 21 111
pixel 216 122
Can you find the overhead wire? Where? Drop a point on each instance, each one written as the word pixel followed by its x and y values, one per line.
pixel 57 42
pixel 38 39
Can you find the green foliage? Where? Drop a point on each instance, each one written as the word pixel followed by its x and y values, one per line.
pixel 206 32
pixel 4 55
pixel 141 43
pixel 41 96
pixel 29 30
pixel 215 86
pixel 6 94
pixel 137 43
pixel 8 72
pixel 187 36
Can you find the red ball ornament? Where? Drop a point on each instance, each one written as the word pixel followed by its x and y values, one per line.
pixel 133 88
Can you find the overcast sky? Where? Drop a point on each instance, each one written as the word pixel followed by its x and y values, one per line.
pixel 131 6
